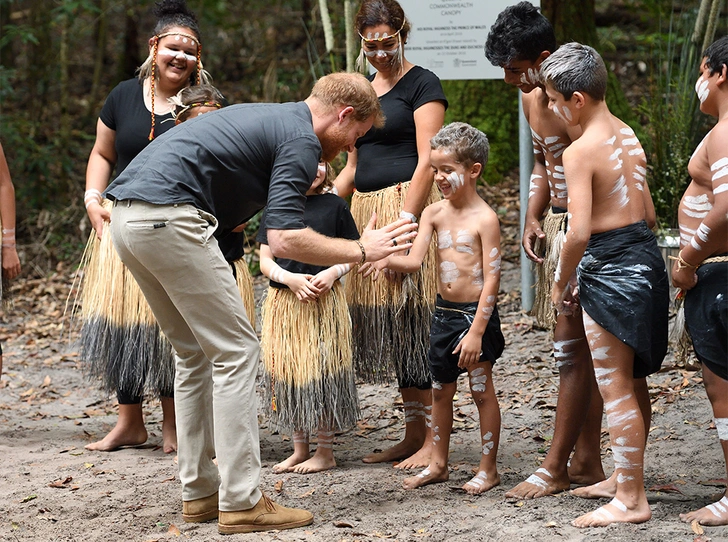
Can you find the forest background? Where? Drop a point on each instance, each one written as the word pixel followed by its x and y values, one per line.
pixel 60 58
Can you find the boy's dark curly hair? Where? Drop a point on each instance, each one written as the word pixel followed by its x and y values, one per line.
pixel 520 32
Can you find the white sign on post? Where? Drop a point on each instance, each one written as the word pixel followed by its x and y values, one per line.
pixel 448 37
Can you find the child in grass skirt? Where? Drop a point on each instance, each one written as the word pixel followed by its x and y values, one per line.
pixel 306 339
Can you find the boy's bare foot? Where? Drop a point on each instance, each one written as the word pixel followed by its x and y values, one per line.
pixel 315 464
pixel 586 476
pixel 426 477
pixel 288 464
pixel 713 514
pixel 601 490
pixel 539 484
pixel 614 512
pixel 480 483
pixel 118 437
pixel 169 437
pixel 397 452
pixel 418 460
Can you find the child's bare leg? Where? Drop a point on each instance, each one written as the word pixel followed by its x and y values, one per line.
pixel 571 354
pixel 412 449
pixel 608 488
pixel 437 470
pixel 483 392
pixel 717 389
pixel 299 455
pixel 613 364
pixel 323 458
pixel 169 425
pixel 128 431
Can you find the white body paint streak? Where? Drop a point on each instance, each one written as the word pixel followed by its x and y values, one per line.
pixel 544 471
pixel 686 234
pixel 537 481
pixel 615 419
pixel 612 404
pixel 630 142
pixel 611 140
pixel 456 180
pixel 444 239
pixel 532 187
pixel 601 353
pixel 721 424
pixel 620 188
pixel 701 89
pixel 496 265
pixel 551 139
pixel 720 167
pixel 464 242
pixel 720 188
pixel 636 152
pixel 478 276
pixel 620 459
pixel 619 505
pixel 602 376
pixel 567 113
pixel 621 478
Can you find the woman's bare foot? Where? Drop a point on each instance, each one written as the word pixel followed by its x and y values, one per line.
pixel 539 484
pixel 481 483
pixel 614 512
pixel 169 426
pixel 601 490
pixel 287 465
pixel 119 437
pixel 397 452
pixel 317 463
pixel 713 514
pixel 418 460
pixel 426 477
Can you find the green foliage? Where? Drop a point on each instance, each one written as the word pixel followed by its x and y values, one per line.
pixel 671 107
pixel 492 107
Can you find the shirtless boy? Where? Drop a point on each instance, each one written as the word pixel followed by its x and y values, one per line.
pixel 465 333
pixel 519 41
pixel 702 266
pixel 622 282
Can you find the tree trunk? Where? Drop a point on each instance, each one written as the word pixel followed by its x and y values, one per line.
pixel 573 20
pixel 99 55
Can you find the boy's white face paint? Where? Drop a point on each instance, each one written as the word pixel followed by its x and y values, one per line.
pixel 456 180
pixel 567 112
pixel 444 239
pixel 701 88
pixel 449 272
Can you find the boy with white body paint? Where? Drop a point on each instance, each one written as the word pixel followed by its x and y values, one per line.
pixel 519 41
pixel 465 333
pixel 701 270
pixel 622 282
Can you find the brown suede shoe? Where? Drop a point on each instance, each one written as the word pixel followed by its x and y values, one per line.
pixel 200 510
pixel 264 516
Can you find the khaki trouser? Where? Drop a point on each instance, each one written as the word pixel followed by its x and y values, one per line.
pixel 175 259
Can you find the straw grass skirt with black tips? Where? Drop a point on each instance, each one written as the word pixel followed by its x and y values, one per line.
pixel 549 248
pixel 308 375
pixel 391 318
pixel 121 343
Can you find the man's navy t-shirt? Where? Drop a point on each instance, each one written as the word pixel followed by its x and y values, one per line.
pixel 231 163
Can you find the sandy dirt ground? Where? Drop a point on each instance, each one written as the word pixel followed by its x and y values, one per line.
pixel 51 489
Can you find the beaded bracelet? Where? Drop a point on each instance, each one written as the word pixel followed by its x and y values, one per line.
pixel 363 252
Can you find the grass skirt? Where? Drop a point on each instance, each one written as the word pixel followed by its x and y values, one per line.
pixel 549 248
pixel 244 281
pixel 308 376
pixel 391 318
pixel 121 343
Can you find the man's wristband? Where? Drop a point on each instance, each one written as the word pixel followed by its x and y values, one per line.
pixel 363 251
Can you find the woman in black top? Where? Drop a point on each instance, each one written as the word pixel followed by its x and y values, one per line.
pixel 390 170
pixel 127 355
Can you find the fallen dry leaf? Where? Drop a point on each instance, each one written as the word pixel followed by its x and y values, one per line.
pixel 46 382
pixel 696 527
pixel 307 494
pixel 278 486
pixel 61 483
pixel 173 530
pixel 667 488
pixel 343 525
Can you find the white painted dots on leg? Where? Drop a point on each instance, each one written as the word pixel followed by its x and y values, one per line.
pixel 721 424
pixel 478 380
pixel 488 443
pixel 561 356
pixel 602 375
